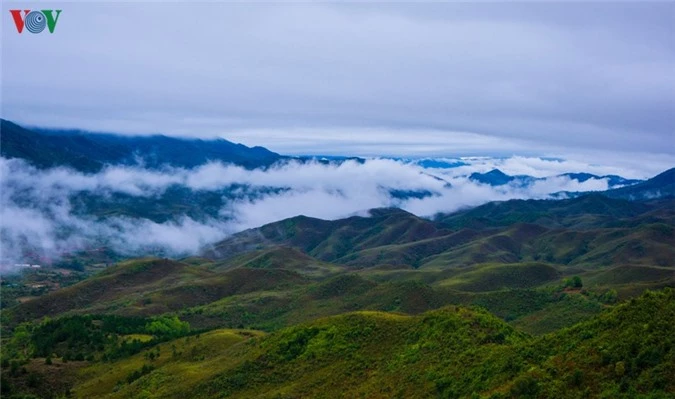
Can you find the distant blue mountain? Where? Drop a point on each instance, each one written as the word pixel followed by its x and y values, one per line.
pixel 328 159
pixel 496 177
pixel 659 186
pixel 89 152
pixel 612 180
pixel 439 164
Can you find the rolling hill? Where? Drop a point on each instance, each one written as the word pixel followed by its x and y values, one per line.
pixel 521 298
pixel 586 231
pixel 453 352
pixel 391 305
pixel 303 268
pixel 153 286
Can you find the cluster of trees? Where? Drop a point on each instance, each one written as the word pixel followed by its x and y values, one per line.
pixel 85 337
pixel 169 327
pixel 574 282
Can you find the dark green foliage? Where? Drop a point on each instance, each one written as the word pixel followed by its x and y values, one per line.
pixel 574 282
pixel 167 327
pixel 5 385
pixel 525 386
pixel 626 352
pixel 629 349
pixel 572 261
pixel 76 338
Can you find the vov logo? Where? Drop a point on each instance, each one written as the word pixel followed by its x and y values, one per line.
pixel 35 21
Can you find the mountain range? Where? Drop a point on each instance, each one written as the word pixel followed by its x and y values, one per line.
pixel 89 152
pixel 393 260
pixel 536 298
pixel 496 178
pixel 305 307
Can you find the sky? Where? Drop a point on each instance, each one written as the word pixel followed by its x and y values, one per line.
pixel 587 81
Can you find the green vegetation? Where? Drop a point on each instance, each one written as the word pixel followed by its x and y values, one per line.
pixel 90 337
pixel 32 282
pixel 454 352
pixel 588 232
pixel 538 299
pixel 182 362
pixel 574 282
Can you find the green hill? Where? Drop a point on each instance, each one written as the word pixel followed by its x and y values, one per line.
pixel 496 277
pixel 331 240
pixel 391 305
pixel 587 231
pixel 269 277
pixel 591 209
pixel 153 286
pixel 454 352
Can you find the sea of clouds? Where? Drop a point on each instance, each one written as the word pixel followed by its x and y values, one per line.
pixel 36 207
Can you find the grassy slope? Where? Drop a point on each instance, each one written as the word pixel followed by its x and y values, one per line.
pixel 625 352
pixel 590 231
pixel 576 212
pixel 394 261
pixel 153 286
pixel 275 288
pixel 331 240
pixel 182 362
pixel 496 277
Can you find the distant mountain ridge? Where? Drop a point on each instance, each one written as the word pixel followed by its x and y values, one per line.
pixel 659 186
pixel 89 152
pixel 496 178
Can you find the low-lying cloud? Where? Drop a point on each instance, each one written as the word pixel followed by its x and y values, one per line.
pixel 37 212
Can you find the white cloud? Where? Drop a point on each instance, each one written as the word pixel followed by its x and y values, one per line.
pixel 36 208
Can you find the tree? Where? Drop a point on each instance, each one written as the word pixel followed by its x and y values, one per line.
pixel 168 326
pixel 21 341
pixel 576 282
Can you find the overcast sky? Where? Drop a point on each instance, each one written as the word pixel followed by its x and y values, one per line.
pixel 593 79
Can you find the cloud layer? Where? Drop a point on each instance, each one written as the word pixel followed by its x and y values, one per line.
pixel 37 210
